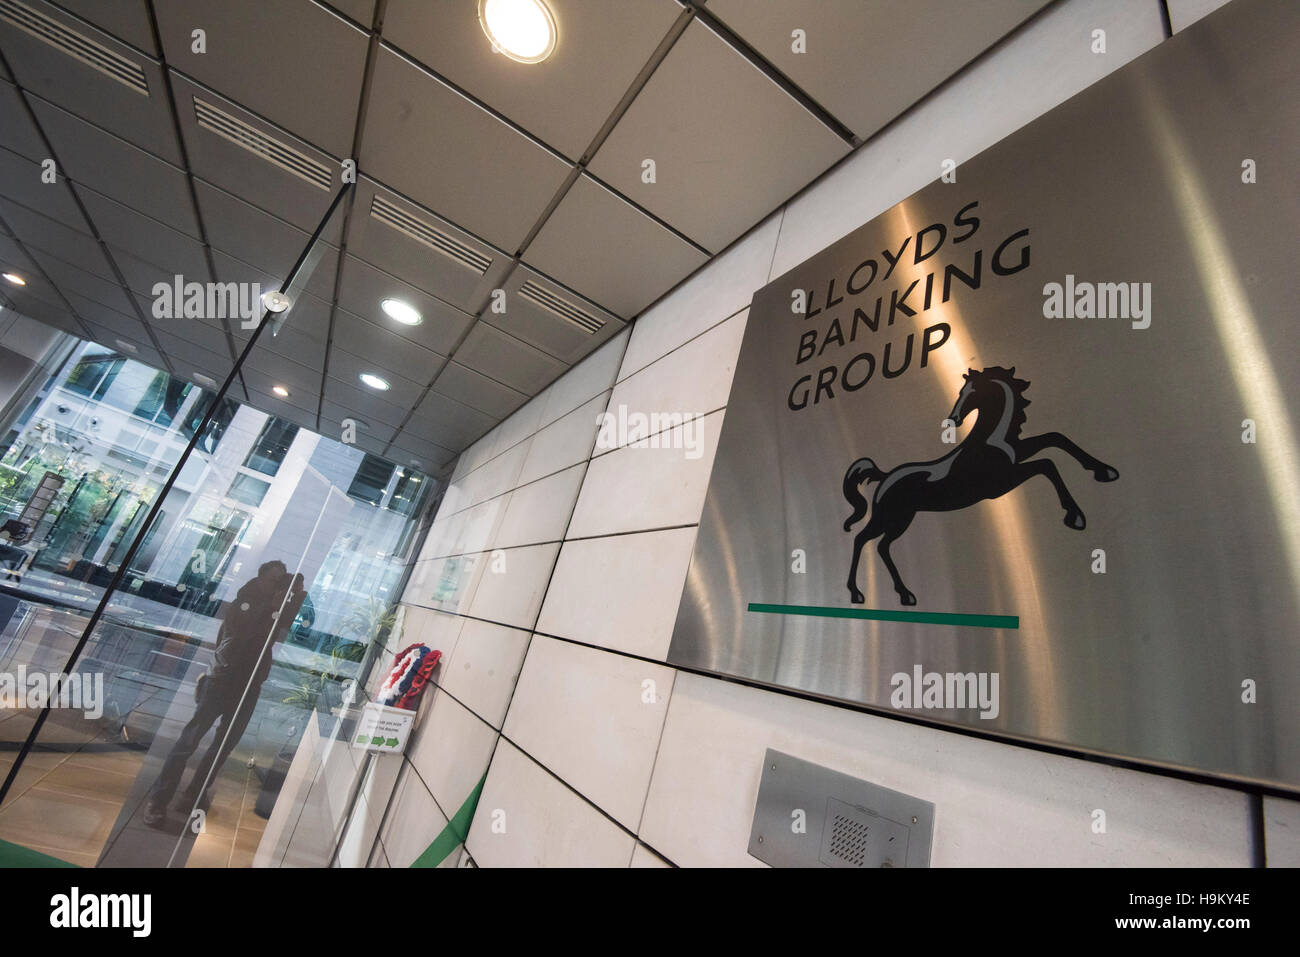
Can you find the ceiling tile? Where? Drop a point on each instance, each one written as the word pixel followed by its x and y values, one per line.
pixel 343 401
pixel 145 239
pixel 120 105
pixel 320 284
pixel 430 143
pixel 563 100
pixel 292 61
pixel 125 19
pixel 297 188
pixel 187 357
pixel 292 343
pixel 261 380
pixel 364 442
pixel 608 250
pixel 302 382
pixel 114 167
pixel 14 260
pixel 364 287
pixel 142 277
pixel 506 359
pixel 302 337
pixel 17 131
pixel 868 62
pixel 255 236
pixel 411 243
pixel 45 312
pixel 362 11
pixel 20 180
pixel 41 232
pixel 448 422
pixel 202 328
pixel 308 317
pixel 718 169
pixel 348 368
pixel 106 318
pixel 409 449
pixel 478 391
pixel 437 333
pixel 70 279
pixel 193 332
pixel 554 319
pixel 137 349
pixel 368 435
pixel 385 348
pixel 264 401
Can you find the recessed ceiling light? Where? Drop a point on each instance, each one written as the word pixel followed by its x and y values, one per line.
pixel 204 380
pixel 402 312
pixel 16 279
pixel 281 391
pixel 523 30
pixel 125 346
pixel 275 301
pixel 374 381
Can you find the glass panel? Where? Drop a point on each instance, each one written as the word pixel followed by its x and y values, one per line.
pixel 209 585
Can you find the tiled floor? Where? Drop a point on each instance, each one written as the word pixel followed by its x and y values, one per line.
pixel 70 792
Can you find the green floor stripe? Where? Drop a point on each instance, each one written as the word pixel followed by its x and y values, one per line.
pixel 872 614
pixel 453 835
pixel 15 855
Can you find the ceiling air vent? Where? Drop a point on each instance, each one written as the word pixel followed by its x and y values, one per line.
pixel 235 130
pixel 76 45
pixel 570 313
pixel 451 247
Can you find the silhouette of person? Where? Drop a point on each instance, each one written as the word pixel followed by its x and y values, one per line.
pixel 259 616
pixel 15 532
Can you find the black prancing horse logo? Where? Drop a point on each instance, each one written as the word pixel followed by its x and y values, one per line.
pixel 987 464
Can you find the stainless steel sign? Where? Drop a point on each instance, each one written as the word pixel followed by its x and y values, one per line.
pixel 1021 453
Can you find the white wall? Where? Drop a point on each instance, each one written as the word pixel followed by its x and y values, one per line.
pixel 25 346
pixel 548 659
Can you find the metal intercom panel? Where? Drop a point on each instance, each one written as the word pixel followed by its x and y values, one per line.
pixel 811 816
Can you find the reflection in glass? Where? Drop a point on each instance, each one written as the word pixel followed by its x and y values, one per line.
pixel 312 534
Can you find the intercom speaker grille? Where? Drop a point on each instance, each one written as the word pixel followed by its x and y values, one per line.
pixel 449 246
pixel 540 296
pixel 76 45
pixel 847 836
pixel 228 127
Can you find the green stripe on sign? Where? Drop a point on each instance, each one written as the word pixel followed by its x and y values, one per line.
pixel 874 614
pixel 15 855
pixel 453 835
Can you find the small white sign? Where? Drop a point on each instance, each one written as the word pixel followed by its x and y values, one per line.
pixel 381 728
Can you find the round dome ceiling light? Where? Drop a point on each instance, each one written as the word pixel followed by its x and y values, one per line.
pixel 281 391
pixel 401 312
pixel 374 381
pixel 523 30
pixel 14 278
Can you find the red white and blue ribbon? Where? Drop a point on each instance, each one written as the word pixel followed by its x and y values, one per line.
pixel 411 670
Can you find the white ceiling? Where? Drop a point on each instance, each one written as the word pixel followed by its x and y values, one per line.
pixel 526 178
